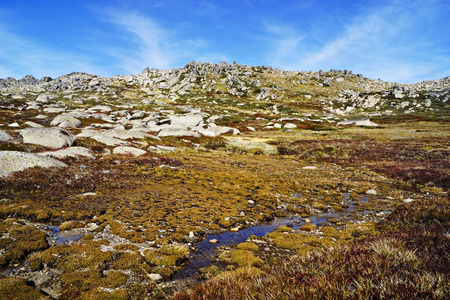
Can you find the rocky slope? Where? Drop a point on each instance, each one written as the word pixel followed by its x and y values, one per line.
pixel 335 92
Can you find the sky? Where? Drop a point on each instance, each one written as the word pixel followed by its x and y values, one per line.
pixel 395 40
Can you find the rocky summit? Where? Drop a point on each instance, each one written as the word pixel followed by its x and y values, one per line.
pixel 224 181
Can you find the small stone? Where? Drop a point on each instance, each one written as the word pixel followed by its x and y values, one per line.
pixel 191 235
pixel 155 277
pixel 15 124
pixel 371 192
pixel 234 229
pixel 307 221
pixel 290 126
pixel 408 200
pixel 251 202
pixel 309 168
pixel 213 241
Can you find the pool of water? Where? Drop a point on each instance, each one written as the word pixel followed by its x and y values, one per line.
pixel 59 238
pixel 206 251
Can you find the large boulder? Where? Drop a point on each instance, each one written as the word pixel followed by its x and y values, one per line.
pixel 48 137
pixel 14 161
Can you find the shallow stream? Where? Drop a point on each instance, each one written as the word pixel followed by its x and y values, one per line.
pixel 206 251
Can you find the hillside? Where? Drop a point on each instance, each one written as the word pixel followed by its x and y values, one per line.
pixel 221 180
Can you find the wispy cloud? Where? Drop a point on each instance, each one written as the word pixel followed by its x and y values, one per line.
pixel 379 44
pixel 150 44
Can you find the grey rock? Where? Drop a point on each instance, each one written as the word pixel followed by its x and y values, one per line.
pixel 69 152
pixel 33 124
pixel 4 136
pixel 124 150
pixel 48 137
pixel 155 277
pixel 66 121
pixel 177 132
pixel 358 122
pixel 14 161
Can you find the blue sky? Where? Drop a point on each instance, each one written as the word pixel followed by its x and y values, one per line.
pixel 395 40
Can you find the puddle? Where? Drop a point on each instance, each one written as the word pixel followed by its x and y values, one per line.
pixel 58 238
pixel 206 251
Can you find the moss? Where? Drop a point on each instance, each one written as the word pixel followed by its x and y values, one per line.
pixel 308 227
pixel 244 258
pixel 284 229
pixel 209 272
pixel 22 241
pixel 72 257
pixel 126 247
pixel 74 284
pixel 248 246
pixel 292 241
pixel 127 260
pixel 167 255
pixel 15 288
pixel 98 294
pixel 71 225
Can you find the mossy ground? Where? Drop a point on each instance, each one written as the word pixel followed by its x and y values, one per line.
pixel 144 210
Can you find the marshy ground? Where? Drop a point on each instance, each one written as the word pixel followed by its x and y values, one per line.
pixel 126 218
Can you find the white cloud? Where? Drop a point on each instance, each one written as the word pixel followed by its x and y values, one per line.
pixel 379 44
pixel 150 45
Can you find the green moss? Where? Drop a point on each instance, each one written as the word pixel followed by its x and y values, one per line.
pixel 68 225
pixel 15 288
pixel 22 241
pixel 248 246
pixel 308 227
pixel 167 255
pixel 127 260
pixel 292 241
pixel 244 258
pixel 70 258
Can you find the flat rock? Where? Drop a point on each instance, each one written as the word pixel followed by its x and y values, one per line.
pixel 177 132
pixel 358 122
pixel 124 134
pixel 14 161
pixel 32 124
pixel 161 149
pixel 48 137
pixel 4 136
pixel 124 150
pixel 54 110
pixel 69 152
pixel 66 121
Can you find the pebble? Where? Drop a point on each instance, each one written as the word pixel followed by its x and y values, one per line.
pixel 371 192
pixel 213 241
